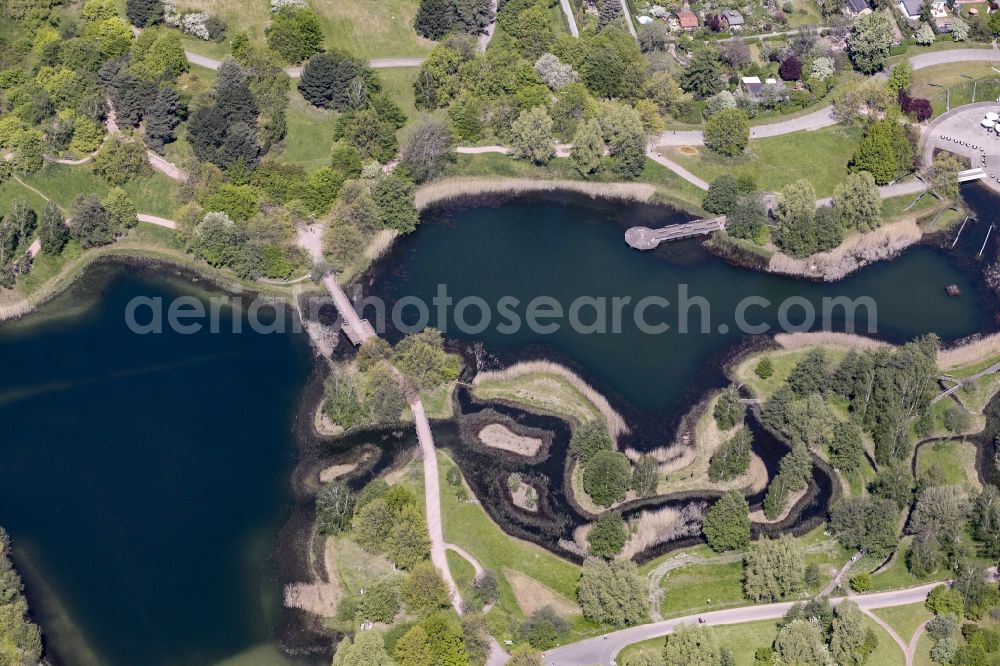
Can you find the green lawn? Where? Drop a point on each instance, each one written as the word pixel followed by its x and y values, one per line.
pixel 466 524
pixel 702 587
pixel 905 619
pixel 669 185
pixel 155 195
pixel 309 136
pixel 397 83
pixel 955 460
pixel 742 639
pixel 370 29
pixel 951 77
pixel 11 190
pixel 896 576
pixel 887 653
pixel 778 161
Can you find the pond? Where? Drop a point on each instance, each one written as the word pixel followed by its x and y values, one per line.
pixel 571 250
pixel 145 478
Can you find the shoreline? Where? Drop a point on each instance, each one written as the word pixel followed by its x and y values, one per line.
pixel 448 190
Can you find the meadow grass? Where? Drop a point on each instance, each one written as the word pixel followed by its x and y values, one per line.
pixel 954 459
pixel 370 29
pixel 887 653
pixel 155 194
pixel 309 136
pixel 550 387
pixel 467 524
pixel 742 639
pixel 778 161
pixel 905 619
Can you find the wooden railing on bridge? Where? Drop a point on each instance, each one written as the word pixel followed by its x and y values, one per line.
pixel 644 238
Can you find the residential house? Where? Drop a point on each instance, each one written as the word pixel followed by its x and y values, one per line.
pixel 858 7
pixel 732 19
pixel 912 8
pixel 752 85
pixel 687 20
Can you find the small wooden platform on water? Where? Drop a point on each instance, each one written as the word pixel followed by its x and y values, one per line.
pixel 644 238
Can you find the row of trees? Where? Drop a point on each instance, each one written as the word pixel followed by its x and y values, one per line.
pixel 20 638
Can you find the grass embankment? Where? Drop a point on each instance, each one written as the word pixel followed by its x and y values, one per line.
pixel 955 461
pixel 529 575
pixel 905 620
pixel 669 187
pixel 371 29
pixel 778 161
pixel 550 388
pixel 744 639
pixel 709 581
pixel 933 83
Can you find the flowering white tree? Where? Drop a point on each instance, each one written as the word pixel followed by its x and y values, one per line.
pixel 278 5
pixel 554 73
pixel 959 30
pixel 925 36
pixel 822 67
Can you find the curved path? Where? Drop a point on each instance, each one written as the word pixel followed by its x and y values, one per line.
pixel 824 116
pixel 602 650
pixel 296 72
pixel 570 20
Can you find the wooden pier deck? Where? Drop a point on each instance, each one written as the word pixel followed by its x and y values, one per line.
pixel 644 238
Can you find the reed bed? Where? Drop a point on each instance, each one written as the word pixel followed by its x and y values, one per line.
pixel 615 422
pixel 856 251
pixel 828 339
pixel 454 188
pixel 973 351
pixel 15 309
pixel 380 244
pixel 651 528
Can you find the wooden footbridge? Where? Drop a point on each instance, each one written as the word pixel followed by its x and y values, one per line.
pixel 644 238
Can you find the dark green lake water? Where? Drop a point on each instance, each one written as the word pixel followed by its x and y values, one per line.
pixel 547 248
pixel 144 479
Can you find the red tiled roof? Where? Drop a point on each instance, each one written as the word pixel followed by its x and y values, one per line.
pixel 687 19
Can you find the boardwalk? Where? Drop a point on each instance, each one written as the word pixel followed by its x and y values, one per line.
pixel 644 238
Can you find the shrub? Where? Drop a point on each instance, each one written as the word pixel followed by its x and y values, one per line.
pixel 765 368
pixel 861 582
pixel 606 477
pixel 607 536
pixel 728 132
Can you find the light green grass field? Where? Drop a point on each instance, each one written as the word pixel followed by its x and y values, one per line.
pixel 778 161
pixel 905 619
pixel 155 194
pixel 467 524
pixel 309 135
pixel 955 459
pixel 742 639
pixel 369 28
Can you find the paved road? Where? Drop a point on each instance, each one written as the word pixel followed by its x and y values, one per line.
pixel 602 650
pixel 296 72
pixel 954 55
pixel 158 221
pixel 484 39
pixel 629 23
pixel 824 117
pixel 570 20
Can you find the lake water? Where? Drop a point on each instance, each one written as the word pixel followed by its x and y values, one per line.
pixel 546 248
pixel 144 479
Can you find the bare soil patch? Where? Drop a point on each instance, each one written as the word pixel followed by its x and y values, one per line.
pixel 498 436
pixel 532 595
pixel 691 151
pixel 336 471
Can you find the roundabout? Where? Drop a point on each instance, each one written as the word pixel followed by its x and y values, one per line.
pixel 964 132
